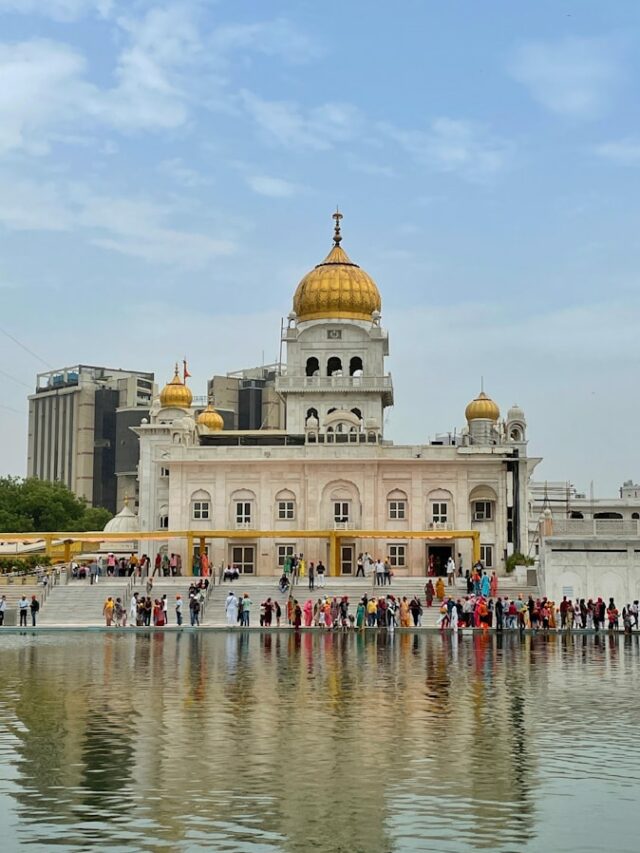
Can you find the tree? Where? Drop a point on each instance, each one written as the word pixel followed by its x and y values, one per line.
pixel 34 506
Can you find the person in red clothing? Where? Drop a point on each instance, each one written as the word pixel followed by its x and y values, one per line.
pixel 612 615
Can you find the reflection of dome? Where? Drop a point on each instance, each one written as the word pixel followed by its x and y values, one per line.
pixel 482 408
pixel 337 288
pixel 175 394
pixel 125 521
pixel 210 419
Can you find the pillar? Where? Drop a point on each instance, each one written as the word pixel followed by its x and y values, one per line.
pixel 189 554
pixel 334 555
pixel 67 550
pixel 476 547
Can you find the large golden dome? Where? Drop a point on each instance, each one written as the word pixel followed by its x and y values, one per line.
pixel 482 408
pixel 337 288
pixel 210 419
pixel 176 394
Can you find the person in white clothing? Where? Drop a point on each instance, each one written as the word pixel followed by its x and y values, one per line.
pixel 133 609
pixel 231 609
pixel 451 571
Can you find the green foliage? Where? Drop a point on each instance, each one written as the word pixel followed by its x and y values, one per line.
pixel 23 565
pixel 517 559
pixel 94 518
pixel 34 506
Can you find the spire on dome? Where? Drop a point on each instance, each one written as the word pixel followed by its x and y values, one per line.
pixel 337 236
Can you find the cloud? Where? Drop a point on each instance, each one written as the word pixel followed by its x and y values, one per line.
pixel 625 152
pixel 272 187
pixel 272 38
pixel 375 170
pixel 59 10
pixel 41 88
pixel 28 206
pixel 137 227
pixel 289 124
pixel 176 169
pixel 455 146
pixel 153 87
pixel 574 77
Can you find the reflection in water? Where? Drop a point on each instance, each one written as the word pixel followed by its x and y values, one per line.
pixel 290 742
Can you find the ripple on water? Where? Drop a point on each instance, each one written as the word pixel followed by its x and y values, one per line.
pixel 325 743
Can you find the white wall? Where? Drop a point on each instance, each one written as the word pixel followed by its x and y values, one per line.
pixel 591 568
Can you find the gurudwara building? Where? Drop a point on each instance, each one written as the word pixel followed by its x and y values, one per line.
pixel 329 484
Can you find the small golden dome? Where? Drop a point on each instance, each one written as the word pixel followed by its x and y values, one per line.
pixel 210 419
pixel 176 394
pixel 337 288
pixel 483 408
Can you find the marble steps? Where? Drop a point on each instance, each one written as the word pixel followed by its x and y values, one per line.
pixel 79 603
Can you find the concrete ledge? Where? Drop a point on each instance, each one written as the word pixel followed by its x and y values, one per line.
pixel 225 629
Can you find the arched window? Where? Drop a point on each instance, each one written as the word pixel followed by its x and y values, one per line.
pixel 243 508
pixel 334 366
pixel 397 505
pixel 609 516
pixel 516 435
pixel 635 516
pixel 576 514
pixel 330 411
pixel 201 505
pixel 357 413
pixel 285 505
pixel 313 366
pixel 355 366
pixel 311 413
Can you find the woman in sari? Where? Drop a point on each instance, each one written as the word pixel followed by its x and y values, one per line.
pixel 404 613
pixel 493 584
pixel 440 589
pixel 429 592
pixel 485 585
pixel 360 615
pixel 308 613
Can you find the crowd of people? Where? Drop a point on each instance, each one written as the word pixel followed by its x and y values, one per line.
pixel 145 610
pixel 108 565
pixel 477 611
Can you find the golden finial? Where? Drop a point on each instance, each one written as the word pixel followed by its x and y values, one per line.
pixel 337 236
pixel 126 500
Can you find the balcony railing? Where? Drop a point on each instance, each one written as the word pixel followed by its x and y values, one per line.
pixel 595 527
pixel 345 384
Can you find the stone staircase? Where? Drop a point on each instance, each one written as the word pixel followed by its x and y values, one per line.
pixel 79 603
pixel 14 592
pixel 259 589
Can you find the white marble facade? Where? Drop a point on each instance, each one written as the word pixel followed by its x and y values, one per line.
pixel 331 467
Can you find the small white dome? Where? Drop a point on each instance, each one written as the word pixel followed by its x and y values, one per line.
pixel 515 413
pixel 125 521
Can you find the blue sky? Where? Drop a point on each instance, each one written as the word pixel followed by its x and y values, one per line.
pixel 168 172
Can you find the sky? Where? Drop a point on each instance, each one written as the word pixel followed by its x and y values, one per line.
pixel 168 173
